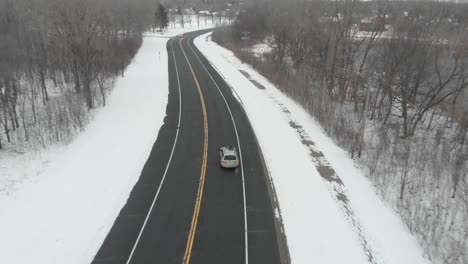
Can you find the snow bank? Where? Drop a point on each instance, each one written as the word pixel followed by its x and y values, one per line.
pixel 318 230
pixel 65 213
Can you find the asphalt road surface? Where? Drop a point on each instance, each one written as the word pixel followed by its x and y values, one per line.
pixel 185 208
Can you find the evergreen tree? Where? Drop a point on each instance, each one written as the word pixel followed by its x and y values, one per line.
pixel 161 17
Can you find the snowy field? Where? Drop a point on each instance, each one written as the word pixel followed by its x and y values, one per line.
pixel 330 211
pixel 57 205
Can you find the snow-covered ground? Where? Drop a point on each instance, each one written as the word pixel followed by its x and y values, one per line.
pixel 57 205
pixel 262 48
pixel 330 211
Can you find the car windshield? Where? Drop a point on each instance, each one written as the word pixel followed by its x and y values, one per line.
pixel 230 157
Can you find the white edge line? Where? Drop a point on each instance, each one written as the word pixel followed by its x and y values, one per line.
pixel 240 154
pixel 222 75
pixel 167 166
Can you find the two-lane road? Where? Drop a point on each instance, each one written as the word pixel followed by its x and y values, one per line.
pixel 185 208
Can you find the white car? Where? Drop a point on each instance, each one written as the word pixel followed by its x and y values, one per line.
pixel 228 157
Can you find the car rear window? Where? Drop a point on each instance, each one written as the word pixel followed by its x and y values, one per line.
pixel 230 157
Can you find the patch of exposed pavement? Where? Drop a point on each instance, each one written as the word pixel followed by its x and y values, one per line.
pixel 257 84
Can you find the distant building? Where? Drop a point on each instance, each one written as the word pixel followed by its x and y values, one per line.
pixel 372 24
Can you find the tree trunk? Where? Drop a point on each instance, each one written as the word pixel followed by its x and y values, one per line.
pixel 403 183
pixel 53 75
pixel 389 110
pixel 404 107
pixel 404 176
pixel 15 115
pixel 33 105
pixel 5 125
pixel 87 90
pixel 12 119
pixel 362 130
pixel 76 77
pixel 103 94
pixel 23 121
pixel 430 120
pixel 44 93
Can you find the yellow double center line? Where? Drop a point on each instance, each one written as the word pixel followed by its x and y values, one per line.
pixel 196 211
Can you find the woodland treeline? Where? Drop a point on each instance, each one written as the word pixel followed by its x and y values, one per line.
pixel 388 81
pixel 58 59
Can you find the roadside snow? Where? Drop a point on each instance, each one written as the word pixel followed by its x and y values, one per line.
pixel 57 205
pixel 321 225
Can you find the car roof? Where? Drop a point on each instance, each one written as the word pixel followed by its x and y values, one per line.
pixel 229 150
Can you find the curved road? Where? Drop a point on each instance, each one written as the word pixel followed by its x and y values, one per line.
pixel 185 208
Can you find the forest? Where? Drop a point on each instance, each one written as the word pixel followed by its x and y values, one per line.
pixel 387 80
pixel 58 60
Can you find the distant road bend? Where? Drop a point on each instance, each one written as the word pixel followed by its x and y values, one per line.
pixel 185 208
